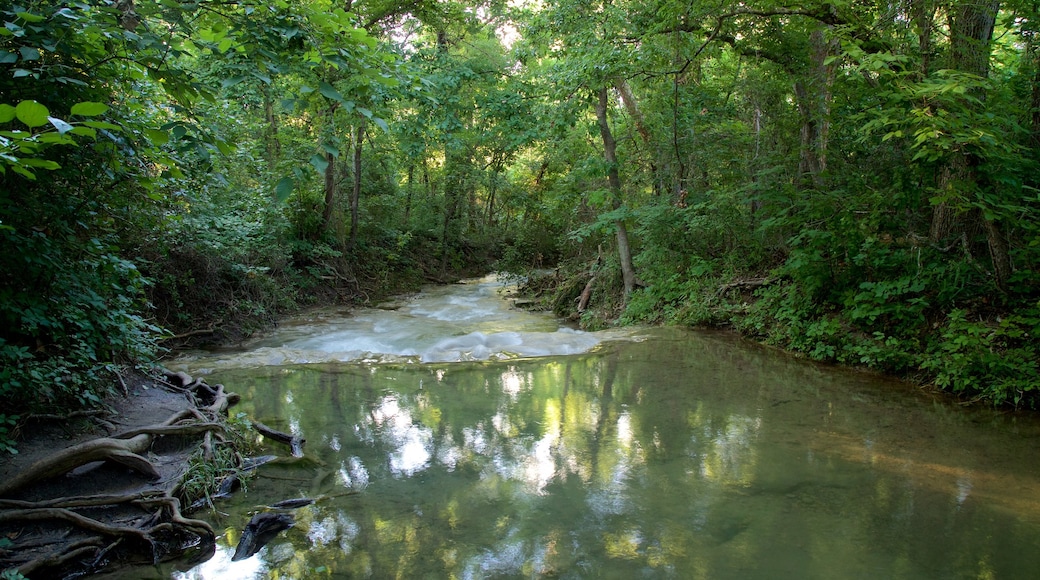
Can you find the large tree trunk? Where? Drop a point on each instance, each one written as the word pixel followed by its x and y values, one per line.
pixel 813 97
pixel 628 272
pixel 971 32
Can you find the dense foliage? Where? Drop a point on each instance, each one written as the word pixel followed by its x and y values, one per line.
pixel 852 181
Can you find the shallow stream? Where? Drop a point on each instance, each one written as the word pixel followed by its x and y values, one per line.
pixel 452 436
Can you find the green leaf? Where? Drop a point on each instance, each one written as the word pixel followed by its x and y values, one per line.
pixel 102 125
pixel 60 125
pixel 231 81
pixel 31 113
pixel 29 53
pixel 224 147
pixel 6 113
pixel 284 189
pixel 8 57
pixel 157 137
pixel 330 92
pixel 382 124
pixel 330 148
pixel 84 131
pixel 52 138
pixel 29 17
pixel 41 163
pixel 89 109
pixel 319 163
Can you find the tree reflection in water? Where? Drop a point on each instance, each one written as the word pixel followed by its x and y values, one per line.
pixel 684 456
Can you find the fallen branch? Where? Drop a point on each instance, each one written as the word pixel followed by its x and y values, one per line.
pixel 190 333
pixel 744 285
pixel 295 443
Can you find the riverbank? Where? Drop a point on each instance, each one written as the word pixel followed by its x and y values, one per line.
pixel 977 352
pixel 94 491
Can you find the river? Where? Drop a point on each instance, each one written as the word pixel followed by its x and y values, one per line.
pixel 452 436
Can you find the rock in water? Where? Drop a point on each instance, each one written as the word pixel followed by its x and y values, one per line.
pixel 259 531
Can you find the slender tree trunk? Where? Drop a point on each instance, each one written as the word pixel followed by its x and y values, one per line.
pixel 628 272
pixel 272 148
pixel 330 192
pixel 409 191
pixel 496 169
pixel 632 106
pixel 355 193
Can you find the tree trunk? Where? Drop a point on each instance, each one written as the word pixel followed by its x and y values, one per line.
pixel 813 97
pixel 628 272
pixel 971 26
pixel 632 106
pixel 272 148
pixel 330 191
pixel 355 193
pixel 408 197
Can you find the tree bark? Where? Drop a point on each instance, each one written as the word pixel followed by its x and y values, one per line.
pixel 330 192
pixel 632 106
pixel 628 272
pixel 971 26
pixel 813 97
pixel 355 192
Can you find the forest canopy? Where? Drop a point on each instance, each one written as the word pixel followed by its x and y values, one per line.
pixel 853 181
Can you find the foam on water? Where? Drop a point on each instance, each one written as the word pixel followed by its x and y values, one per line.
pixel 472 321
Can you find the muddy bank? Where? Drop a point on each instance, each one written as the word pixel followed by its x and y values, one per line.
pixel 90 493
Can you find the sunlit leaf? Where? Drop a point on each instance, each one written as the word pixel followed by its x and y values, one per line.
pixel 102 125
pixel 31 113
pixel 89 109
pixel 6 113
pixel 157 137
pixel 29 17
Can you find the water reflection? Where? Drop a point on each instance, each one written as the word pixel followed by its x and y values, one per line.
pixel 684 456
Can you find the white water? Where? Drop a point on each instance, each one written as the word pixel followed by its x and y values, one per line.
pixel 469 322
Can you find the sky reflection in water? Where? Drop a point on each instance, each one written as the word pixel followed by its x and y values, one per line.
pixel 680 456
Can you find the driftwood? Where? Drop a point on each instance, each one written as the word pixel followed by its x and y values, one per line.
pixel 78 535
pixel 295 443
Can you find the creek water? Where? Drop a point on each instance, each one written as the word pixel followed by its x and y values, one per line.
pixel 452 436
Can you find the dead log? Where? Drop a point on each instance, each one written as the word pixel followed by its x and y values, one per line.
pixel 295 443
pixel 586 295
pixel 748 284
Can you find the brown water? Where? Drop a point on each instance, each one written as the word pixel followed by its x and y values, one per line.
pixel 675 455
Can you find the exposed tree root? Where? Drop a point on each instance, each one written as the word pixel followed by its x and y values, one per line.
pixel 77 535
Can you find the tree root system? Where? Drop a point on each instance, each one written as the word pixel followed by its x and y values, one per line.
pixel 135 514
